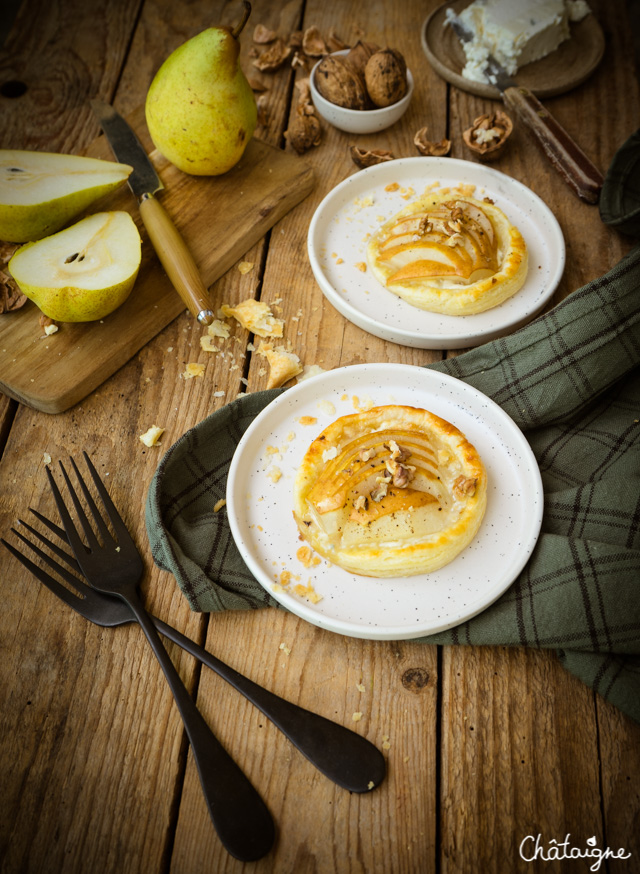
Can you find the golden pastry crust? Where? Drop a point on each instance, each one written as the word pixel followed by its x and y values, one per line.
pixel 393 491
pixel 447 254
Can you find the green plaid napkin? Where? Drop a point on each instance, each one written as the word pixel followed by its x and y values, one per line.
pixel 571 381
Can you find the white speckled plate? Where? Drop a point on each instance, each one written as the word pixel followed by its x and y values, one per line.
pixel 340 229
pixel 259 505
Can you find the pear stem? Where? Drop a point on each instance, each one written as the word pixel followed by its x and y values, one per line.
pixel 237 30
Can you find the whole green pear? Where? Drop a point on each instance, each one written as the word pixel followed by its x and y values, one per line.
pixel 200 109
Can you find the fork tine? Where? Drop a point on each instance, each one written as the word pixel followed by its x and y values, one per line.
pixel 95 512
pixel 116 519
pixel 73 537
pixel 64 593
pixel 56 529
pixel 61 553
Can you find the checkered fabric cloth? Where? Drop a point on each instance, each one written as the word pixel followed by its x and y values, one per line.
pixel 571 381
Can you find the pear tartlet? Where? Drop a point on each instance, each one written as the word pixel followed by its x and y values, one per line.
pixel 393 491
pixel 452 255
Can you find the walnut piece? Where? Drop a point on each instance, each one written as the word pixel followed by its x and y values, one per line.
pixel 313 43
pixel 305 130
pixel 334 42
pixel 273 58
pixel 465 487
pixel 368 157
pixel 429 148
pixel 488 135
pixel 11 298
pixel 263 35
pixel 385 76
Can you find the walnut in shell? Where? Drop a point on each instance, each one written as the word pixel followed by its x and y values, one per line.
pixel 385 76
pixel 358 56
pixel 339 83
pixel 429 148
pixel 488 135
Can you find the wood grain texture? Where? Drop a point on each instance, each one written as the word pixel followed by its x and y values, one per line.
pixel 485 746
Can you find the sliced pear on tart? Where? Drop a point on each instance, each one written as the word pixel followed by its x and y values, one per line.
pixel 393 491
pixel 451 255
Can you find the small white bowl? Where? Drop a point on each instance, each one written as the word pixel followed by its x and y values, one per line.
pixel 359 121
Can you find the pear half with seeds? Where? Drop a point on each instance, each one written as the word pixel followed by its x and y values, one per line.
pixel 41 192
pixel 84 272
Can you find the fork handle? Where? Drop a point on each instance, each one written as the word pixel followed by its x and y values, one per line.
pixel 343 756
pixel 237 811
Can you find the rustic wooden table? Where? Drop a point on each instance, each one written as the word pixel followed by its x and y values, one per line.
pixel 493 745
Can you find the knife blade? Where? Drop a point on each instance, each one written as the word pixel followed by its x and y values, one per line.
pixel 577 170
pixel 145 183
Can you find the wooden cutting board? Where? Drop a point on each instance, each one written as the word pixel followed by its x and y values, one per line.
pixel 220 217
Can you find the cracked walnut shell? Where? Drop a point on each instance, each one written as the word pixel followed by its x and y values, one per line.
pixel 429 148
pixel 488 135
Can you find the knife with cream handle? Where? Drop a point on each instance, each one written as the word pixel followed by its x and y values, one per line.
pixel 144 182
pixel 565 155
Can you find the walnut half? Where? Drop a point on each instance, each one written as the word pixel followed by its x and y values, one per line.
pixel 488 135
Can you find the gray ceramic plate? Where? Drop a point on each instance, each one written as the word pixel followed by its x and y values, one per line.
pixel 566 68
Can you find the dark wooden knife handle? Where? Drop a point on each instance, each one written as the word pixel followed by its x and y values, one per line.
pixel 566 156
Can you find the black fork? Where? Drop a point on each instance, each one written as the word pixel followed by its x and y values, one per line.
pixel 114 566
pixel 342 755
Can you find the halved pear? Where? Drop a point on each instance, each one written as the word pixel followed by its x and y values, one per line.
pixel 84 272
pixel 41 192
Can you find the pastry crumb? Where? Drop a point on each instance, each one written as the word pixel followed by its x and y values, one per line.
pixel 283 365
pixel 152 436
pixel 207 344
pixel 357 716
pixel 327 407
pixel 193 370
pixel 245 267
pixel 220 329
pixel 255 316
pixel 219 505
pixel 274 474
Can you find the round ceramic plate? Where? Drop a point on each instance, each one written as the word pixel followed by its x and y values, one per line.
pixel 351 212
pixel 260 502
pixel 567 67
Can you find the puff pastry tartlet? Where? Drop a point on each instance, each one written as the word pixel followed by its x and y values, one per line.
pixel 451 255
pixel 393 491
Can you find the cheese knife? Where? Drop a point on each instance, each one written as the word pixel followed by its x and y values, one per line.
pixel 145 183
pixel 564 153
